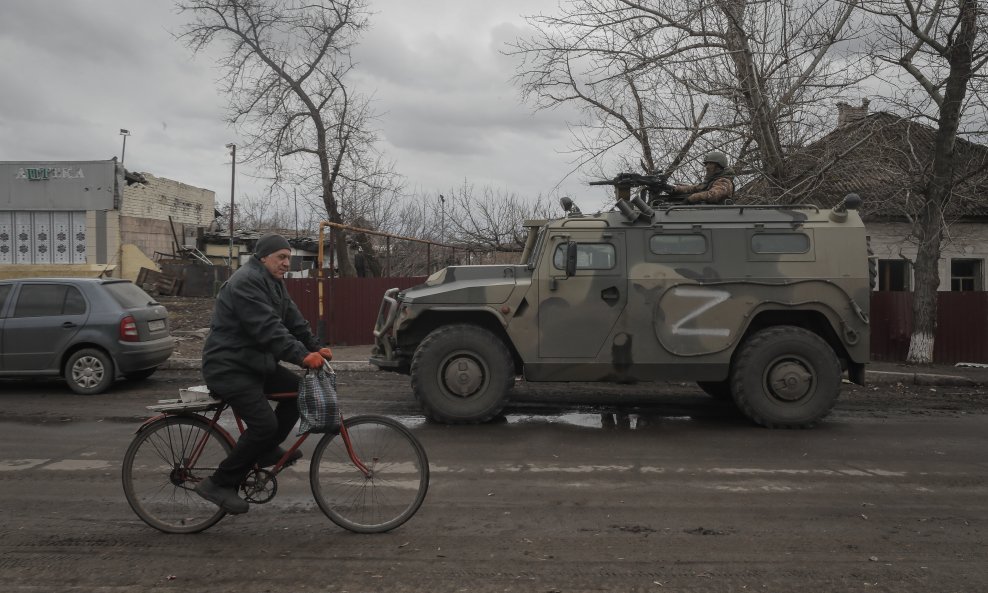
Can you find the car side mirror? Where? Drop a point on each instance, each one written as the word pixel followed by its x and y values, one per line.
pixel 570 259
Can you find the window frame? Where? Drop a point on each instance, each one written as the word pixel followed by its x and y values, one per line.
pixel 977 279
pixel 805 256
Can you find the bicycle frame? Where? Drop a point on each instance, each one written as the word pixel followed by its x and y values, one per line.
pixel 213 422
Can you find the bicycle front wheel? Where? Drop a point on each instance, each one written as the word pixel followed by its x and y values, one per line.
pixel 163 466
pixel 391 490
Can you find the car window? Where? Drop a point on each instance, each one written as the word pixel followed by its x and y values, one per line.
pixel 128 295
pixel 75 304
pixel 4 293
pixel 678 244
pixel 589 256
pixel 780 243
pixel 40 300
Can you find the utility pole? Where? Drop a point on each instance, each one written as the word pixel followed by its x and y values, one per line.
pixel 442 224
pixel 233 180
pixel 123 151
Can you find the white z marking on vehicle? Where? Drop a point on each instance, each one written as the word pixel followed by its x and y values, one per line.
pixel 713 298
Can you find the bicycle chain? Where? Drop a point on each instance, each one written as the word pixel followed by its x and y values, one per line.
pixel 259 486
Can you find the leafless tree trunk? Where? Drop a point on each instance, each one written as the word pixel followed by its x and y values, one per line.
pixel 658 78
pixel 941 46
pixel 285 66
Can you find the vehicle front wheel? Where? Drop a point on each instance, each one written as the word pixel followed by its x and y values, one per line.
pixel 462 374
pixel 786 377
pixel 89 371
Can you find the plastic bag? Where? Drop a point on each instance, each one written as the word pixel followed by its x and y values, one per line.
pixel 318 406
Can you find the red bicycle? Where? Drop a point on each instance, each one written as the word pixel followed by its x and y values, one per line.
pixel 370 477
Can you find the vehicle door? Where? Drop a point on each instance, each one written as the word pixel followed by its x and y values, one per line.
pixel 5 290
pixel 577 313
pixel 42 320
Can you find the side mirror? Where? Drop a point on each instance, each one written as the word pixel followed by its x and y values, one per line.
pixel 570 259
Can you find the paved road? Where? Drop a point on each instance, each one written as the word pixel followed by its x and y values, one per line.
pixel 561 495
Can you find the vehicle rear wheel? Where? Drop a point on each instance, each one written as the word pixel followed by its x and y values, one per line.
pixel 140 375
pixel 162 467
pixel 786 377
pixel 89 371
pixel 462 374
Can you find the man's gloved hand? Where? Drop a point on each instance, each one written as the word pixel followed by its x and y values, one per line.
pixel 668 188
pixel 326 353
pixel 313 360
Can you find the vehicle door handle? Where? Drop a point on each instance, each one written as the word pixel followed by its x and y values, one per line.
pixel 610 295
pixel 69 325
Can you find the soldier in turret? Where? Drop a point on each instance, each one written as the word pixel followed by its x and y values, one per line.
pixel 717 186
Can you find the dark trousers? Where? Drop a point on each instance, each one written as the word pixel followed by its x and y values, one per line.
pixel 266 428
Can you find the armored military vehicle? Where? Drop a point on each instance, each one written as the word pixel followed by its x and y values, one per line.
pixel 764 304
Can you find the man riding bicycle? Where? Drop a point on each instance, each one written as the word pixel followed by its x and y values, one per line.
pixel 255 325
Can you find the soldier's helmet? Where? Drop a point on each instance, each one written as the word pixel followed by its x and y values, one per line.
pixel 716 156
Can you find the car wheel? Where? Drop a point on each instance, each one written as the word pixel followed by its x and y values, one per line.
pixel 462 374
pixel 89 371
pixel 786 377
pixel 140 375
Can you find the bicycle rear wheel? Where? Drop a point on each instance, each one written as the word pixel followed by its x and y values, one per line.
pixel 386 497
pixel 162 467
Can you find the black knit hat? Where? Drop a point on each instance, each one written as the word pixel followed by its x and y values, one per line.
pixel 268 244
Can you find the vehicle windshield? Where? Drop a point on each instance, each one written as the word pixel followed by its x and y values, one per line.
pixel 129 295
pixel 539 246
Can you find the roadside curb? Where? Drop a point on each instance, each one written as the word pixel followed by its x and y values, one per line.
pixel 918 379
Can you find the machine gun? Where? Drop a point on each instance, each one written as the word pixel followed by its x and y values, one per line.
pixel 654 188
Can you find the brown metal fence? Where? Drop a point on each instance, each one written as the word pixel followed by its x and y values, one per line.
pixel 962 323
pixel 351 305
pixel 962 326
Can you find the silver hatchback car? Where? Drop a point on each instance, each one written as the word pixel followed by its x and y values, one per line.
pixel 89 331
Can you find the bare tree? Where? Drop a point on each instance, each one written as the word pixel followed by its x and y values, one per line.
pixel 941 46
pixel 285 64
pixel 654 78
pixel 484 219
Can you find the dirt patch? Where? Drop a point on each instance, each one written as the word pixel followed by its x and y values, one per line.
pixel 189 318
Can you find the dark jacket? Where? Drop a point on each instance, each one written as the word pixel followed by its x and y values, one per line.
pixel 255 324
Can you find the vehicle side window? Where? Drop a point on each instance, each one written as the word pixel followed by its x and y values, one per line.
pixel 589 256
pixel 780 243
pixel 4 293
pixel 40 300
pixel 75 304
pixel 672 244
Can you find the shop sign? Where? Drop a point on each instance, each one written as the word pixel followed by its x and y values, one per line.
pixel 44 173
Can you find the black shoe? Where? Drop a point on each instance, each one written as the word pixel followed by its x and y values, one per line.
pixel 271 457
pixel 225 498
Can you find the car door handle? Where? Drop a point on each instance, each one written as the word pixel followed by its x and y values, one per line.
pixel 610 295
pixel 69 325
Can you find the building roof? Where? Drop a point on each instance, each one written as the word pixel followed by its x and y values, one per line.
pixel 884 159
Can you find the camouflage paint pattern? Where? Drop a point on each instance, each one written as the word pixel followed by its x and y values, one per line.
pixel 641 312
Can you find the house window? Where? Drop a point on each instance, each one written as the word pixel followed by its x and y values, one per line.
pixel 965 275
pixel 893 274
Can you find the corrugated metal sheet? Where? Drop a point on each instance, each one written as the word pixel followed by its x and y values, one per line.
pixel 351 305
pixel 962 326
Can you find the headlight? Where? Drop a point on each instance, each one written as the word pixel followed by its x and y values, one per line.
pixel 436 278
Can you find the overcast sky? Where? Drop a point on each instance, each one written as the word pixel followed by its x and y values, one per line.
pixel 75 73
